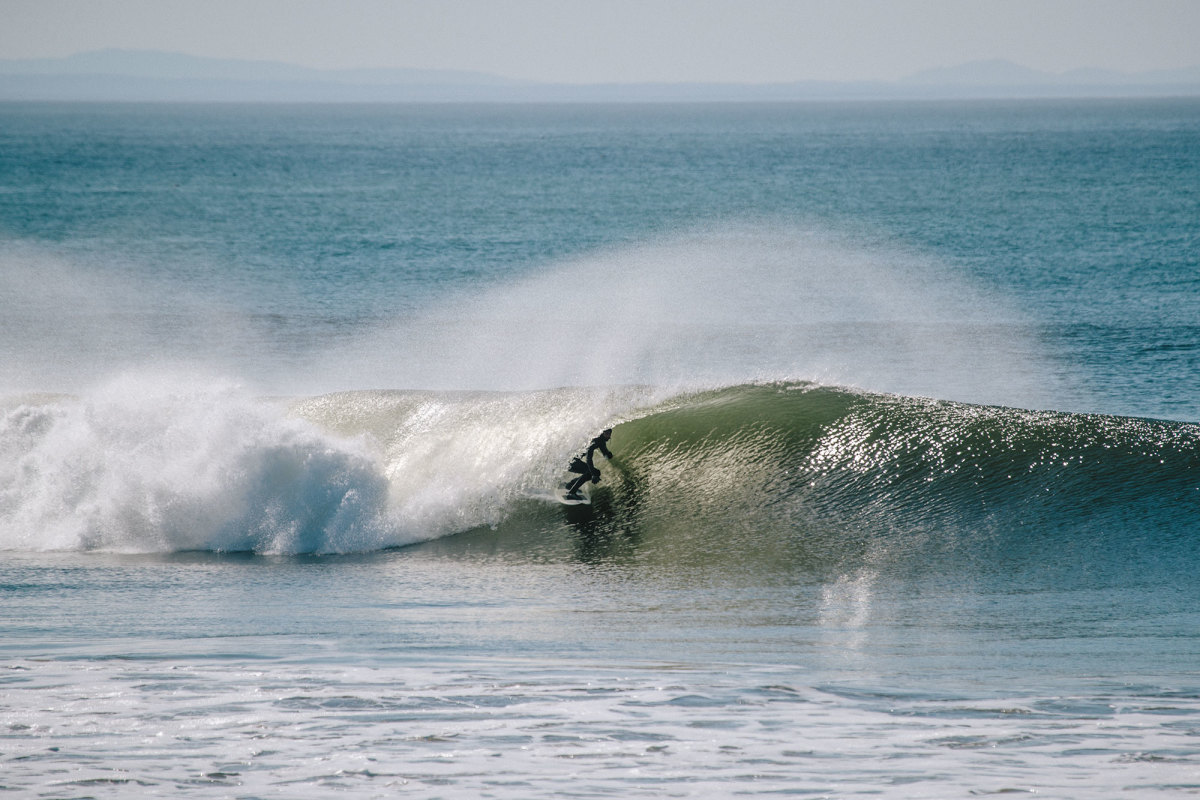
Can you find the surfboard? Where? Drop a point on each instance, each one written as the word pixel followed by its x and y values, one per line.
pixel 580 499
pixel 559 495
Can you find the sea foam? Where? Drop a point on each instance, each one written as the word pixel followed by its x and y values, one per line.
pixel 168 464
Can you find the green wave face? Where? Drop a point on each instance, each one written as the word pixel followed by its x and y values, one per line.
pixel 797 477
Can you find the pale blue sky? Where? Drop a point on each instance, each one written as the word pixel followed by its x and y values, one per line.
pixel 626 40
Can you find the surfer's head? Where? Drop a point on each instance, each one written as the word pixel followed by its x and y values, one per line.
pixel 606 433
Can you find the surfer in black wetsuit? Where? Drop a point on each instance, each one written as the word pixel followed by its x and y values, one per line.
pixel 587 471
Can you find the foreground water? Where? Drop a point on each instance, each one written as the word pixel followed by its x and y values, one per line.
pixel 903 397
pixel 471 669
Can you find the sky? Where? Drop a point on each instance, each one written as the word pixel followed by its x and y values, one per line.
pixel 626 41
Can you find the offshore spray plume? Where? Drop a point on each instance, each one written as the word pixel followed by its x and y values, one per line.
pixel 712 308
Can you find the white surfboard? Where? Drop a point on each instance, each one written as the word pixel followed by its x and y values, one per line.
pixel 580 498
pixel 559 495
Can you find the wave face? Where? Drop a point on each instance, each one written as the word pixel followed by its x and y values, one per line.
pixel 816 476
pixel 795 475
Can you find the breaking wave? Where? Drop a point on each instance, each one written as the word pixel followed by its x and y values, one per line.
pixel 142 466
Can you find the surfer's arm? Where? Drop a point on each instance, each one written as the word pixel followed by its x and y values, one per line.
pixel 596 444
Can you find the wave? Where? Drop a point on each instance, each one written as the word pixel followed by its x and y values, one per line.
pixel 828 476
pixel 815 473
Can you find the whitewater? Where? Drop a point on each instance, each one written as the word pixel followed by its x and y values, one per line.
pixel 904 485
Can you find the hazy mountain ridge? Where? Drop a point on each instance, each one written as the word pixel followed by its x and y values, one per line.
pixel 179 66
pixel 151 76
pixel 998 72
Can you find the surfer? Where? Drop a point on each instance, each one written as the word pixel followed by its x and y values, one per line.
pixel 584 467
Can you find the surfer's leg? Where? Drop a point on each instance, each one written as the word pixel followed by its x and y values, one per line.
pixel 579 467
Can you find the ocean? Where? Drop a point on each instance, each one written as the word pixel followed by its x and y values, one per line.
pixel 906 458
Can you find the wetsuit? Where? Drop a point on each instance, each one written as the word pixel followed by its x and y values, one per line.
pixel 587 471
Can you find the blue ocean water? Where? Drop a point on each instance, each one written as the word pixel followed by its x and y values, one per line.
pixel 905 473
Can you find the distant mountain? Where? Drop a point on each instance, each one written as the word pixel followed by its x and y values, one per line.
pixel 178 66
pixel 999 73
pixel 980 73
pixel 150 76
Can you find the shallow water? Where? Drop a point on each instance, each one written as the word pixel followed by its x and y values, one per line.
pixel 459 669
